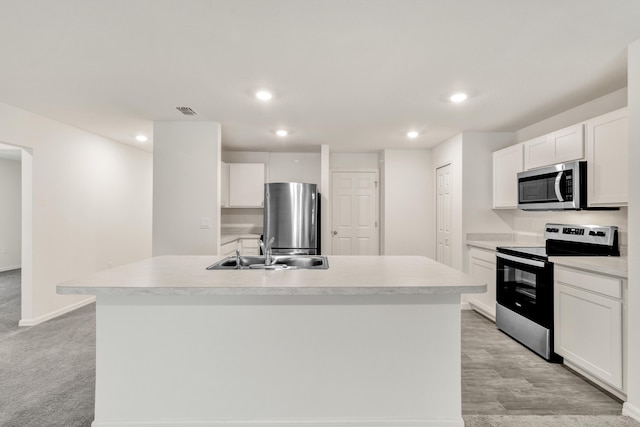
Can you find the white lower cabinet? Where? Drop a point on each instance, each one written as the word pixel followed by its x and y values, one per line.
pixel 482 266
pixel 588 323
pixel 229 248
pixel 249 246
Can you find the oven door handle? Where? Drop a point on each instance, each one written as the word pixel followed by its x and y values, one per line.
pixel 519 260
pixel 558 192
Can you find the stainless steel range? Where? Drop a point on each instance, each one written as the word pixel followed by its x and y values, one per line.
pixel 524 282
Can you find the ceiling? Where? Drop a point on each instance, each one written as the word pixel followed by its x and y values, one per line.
pixel 356 74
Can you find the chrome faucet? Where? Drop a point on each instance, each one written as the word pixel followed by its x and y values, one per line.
pixel 266 250
pixel 237 259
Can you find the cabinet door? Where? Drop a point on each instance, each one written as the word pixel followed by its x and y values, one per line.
pixel 249 247
pixel 246 185
pixel 506 165
pixel 588 331
pixel 607 166
pixel 482 266
pixel 568 143
pixel 224 185
pixel 561 146
pixel 539 152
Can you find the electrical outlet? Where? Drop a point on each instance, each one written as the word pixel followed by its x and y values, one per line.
pixel 205 222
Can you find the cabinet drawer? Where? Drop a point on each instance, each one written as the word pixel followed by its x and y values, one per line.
pixel 488 256
pixel 605 285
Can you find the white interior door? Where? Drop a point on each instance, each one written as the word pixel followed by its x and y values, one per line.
pixel 443 214
pixel 354 217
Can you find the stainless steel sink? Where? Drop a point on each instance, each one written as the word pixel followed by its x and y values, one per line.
pixel 278 262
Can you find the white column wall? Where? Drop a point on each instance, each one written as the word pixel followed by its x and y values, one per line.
pixel 408 203
pixel 86 205
pixel 632 406
pixel 295 167
pixel 10 211
pixel 450 152
pixel 325 191
pixel 186 187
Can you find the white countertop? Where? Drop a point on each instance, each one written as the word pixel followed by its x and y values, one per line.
pixel 493 244
pixel 347 275
pixel 230 237
pixel 612 265
pixel 615 266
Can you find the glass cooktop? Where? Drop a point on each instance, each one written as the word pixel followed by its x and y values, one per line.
pixel 524 251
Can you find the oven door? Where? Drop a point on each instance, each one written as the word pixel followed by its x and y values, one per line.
pixel 525 286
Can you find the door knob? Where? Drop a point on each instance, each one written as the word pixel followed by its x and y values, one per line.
pixel 335 232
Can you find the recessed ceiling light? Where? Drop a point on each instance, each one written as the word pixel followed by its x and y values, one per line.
pixel 264 95
pixel 141 138
pixel 282 132
pixel 412 134
pixel 458 97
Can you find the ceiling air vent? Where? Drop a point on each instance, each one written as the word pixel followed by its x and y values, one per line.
pixel 187 111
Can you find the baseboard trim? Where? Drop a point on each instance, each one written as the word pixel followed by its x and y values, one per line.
pixel 465 306
pixel 631 411
pixel 479 308
pixel 594 380
pixel 423 422
pixel 11 267
pixel 60 312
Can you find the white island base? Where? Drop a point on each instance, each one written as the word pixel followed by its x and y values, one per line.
pixel 370 342
pixel 258 361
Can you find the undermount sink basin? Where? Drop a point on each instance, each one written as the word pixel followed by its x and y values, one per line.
pixel 278 262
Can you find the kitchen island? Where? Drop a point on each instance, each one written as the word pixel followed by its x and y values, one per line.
pixel 372 341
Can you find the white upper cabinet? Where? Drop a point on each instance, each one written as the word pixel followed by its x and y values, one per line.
pixel 561 146
pixel 246 185
pixel 607 168
pixel 506 165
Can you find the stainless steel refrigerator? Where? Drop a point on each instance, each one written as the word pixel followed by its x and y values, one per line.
pixel 291 217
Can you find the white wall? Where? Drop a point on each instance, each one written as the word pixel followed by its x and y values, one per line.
pixel 10 214
pixel 477 176
pixel 294 167
pixel 632 406
pixel 88 204
pixel 604 104
pixel 355 161
pixel 186 187
pixel 408 203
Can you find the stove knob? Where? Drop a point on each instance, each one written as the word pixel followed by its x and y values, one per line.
pixel 600 233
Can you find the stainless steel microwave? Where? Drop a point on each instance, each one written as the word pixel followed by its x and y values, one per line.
pixel 558 187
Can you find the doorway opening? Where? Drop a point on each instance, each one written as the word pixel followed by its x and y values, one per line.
pixel 10 236
pixel 16 248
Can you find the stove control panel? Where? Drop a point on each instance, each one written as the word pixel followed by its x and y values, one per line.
pixel 592 234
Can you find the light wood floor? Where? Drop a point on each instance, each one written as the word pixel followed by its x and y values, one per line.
pixel 502 377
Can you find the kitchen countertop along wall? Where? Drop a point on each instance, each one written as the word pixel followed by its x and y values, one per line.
pixel 614 266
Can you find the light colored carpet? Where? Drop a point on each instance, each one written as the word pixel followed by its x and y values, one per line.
pixel 549 421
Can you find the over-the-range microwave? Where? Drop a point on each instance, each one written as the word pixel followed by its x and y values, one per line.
pixel 558 187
